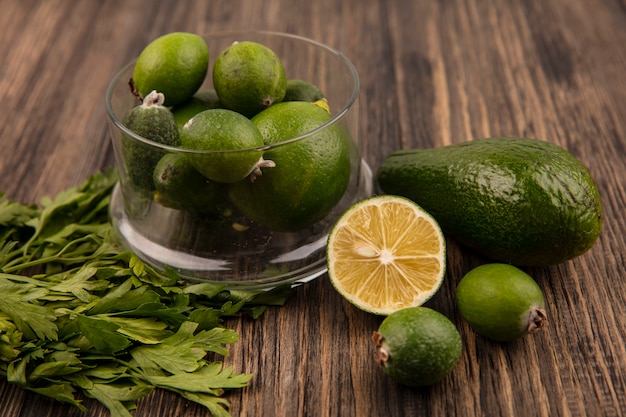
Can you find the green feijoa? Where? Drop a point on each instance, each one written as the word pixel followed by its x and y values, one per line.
pixel 180 186
pixel 203 100
pixel 417 346
pixel 227 142
pixel 501 302
pixel 249 77
pixel 301 90
pixel 175 64
pixel 154 122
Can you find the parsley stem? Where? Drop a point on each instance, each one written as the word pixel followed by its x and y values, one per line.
pixel 21 263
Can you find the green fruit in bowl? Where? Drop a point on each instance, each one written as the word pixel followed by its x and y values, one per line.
pixel 203 100
pixel 180 186
pixel 310 175
pixel 175 64
pixel 417 346
pixel 249 77
pixel 501 302
pixel 154 122
pixel 301 90
pixel 233 140
pixel 515 200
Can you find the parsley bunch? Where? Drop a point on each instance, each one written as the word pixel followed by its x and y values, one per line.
pixel 77 313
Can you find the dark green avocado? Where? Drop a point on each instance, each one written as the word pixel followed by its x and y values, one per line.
pixel 516 200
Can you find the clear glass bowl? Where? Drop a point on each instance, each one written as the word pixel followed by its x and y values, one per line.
pixel 232 250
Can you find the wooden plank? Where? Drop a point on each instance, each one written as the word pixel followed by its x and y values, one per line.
pixel 432 73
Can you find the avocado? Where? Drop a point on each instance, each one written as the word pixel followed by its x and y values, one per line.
pixel 155 122
pixel 520 201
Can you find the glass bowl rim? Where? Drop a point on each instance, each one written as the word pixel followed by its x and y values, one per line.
pixel 335 119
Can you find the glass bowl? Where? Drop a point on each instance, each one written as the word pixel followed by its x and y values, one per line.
pixel 228 248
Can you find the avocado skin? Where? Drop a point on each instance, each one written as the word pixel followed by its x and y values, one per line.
pixel 520 201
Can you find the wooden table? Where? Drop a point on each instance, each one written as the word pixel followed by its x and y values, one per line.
pixel 432 73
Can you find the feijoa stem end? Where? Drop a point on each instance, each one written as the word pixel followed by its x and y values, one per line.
pixel 381 354
pixel 154 98
pixel 256 169
pixel 537 319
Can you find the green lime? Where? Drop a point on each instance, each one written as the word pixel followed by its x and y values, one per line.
pixel 229 135
pixel 417 346
pixel 301 90
pixel 310 176
pixel 203 100
pixel 175 64
pixel 155 122
pixel 249 77
pixel 180 186
pixel 501 302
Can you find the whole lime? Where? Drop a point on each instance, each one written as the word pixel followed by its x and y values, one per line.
pixel 417 346
pixel 233 139
pixel 249 77
pixel 203 100
pixel 174 64
pixel 310 175
pixel 501 302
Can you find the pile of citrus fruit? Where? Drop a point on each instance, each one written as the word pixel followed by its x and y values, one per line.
pixel 228 146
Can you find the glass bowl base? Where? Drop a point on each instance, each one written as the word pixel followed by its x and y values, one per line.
pixel 274 259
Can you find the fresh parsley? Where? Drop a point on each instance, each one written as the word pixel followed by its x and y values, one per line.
pixel 77 313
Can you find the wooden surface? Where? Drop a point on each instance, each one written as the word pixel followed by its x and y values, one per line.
pixel 432 73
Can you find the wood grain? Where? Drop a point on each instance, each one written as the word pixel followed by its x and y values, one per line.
pixel 432 73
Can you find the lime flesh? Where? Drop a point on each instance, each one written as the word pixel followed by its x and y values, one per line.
pixel 385 253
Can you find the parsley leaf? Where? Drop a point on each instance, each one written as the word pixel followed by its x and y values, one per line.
pixel 33 320
pixel 78 313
